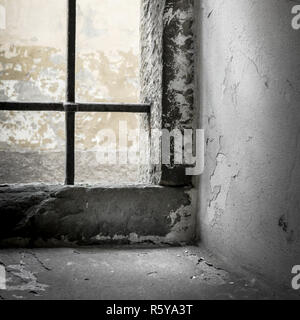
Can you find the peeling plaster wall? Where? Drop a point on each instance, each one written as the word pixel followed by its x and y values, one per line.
pixel 33 68
pixel 248 91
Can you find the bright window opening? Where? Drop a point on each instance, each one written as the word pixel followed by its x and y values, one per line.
pixel 33 65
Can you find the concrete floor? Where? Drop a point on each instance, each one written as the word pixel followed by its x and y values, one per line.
pixel 124 273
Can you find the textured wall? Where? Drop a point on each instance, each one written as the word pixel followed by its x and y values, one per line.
pixel 178 78
pixel 33 67
pixel 248 85
pixel 167 74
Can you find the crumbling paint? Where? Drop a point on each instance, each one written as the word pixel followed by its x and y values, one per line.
pixel 221 180
pixel 178 65
pixel 178 79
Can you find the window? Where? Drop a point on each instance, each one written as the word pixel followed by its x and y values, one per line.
pixel 71 106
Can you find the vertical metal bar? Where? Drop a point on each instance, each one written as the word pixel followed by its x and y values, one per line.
pixel 70 95
pixel 71 50
pixel 70 148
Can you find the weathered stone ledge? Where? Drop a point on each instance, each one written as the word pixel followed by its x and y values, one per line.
pixel 40 215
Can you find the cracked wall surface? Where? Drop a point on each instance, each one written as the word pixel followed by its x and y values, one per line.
pixel 248 91
pixel 33 68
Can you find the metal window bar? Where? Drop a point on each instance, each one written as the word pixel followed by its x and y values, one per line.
pixel 70 107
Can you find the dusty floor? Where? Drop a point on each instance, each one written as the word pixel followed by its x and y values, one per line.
pixel 124 273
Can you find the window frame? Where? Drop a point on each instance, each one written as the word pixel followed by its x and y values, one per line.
pixel 70 107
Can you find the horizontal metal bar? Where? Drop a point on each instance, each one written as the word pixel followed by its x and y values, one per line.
pixel 76 107
pixel 113 107
pixel 31 106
